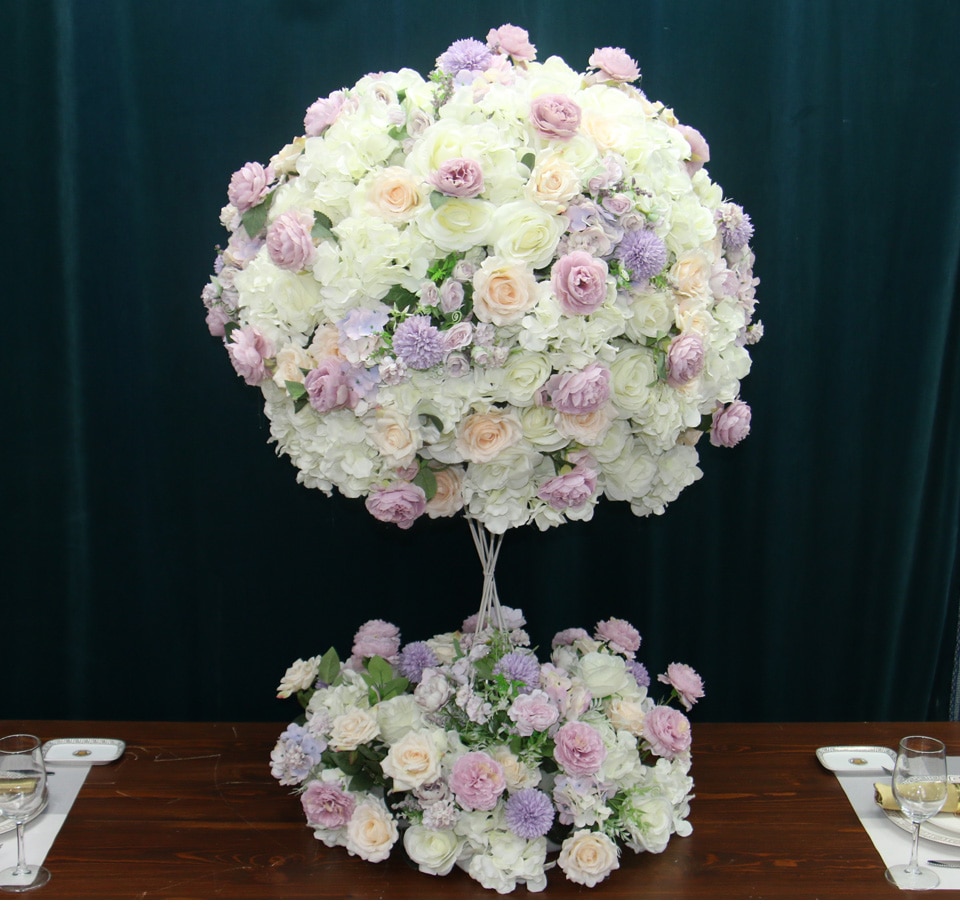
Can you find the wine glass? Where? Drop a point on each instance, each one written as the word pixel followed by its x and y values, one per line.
pixel 23 781
pixel 920 786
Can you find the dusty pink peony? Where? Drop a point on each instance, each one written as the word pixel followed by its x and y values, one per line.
pixel 326 805
pixel 376 638
pixel 579 750
pixel 512 40
pixel 249 186
pixel 477 781
pixel 667 730
pixel 620 636
pixel 461 177
pixel 555 116
pixel 323 113
pixel 579 281
pixel 248 351
pixel 614 64
pixel 533 712
pixel 684 360
pixel 329 386
pixel 730 424
pixel 570 490
pixel 400 503
pixel 289 242
pixel 582 392
pixel 686 681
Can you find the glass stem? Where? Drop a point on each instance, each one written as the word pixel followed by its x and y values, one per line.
pixel 913 867
pixel 21 858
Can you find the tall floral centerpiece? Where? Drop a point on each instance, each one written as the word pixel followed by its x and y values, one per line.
pixel 504 290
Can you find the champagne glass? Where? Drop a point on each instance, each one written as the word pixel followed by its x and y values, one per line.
pixel 23 781
pixel 920 786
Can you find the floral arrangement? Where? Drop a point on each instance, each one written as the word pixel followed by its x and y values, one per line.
pixel 479 754
pixel 503 290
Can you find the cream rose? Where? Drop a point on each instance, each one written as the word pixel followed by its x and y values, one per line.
pixel 603 674
pixel 292 360
pixel 414 760
pixel 691 274
pixel 394 438
pixel 448 500
pixel 626 714
pixel 482 437
pixel 503 291
pixel 300 676
pixel 353 729
pixel 371 831
pixel 553 183
pixel 588 857
pixel 394 194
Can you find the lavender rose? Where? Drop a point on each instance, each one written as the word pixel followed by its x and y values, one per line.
pixel 730 424
pixel 400 503
pixel 555 116
pixel 667 730
pixel 461 177
pixel 326 805
pixel 580 282
pixel 579 749
pixel 289 242
pixel 477 781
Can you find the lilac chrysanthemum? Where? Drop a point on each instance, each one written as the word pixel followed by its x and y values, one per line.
pixel 643 254
pixel 529 813
pixel 524 668
pixel 418 343
pixel 639 672
pixel 735 225
pixel 465 56
pixel 414 659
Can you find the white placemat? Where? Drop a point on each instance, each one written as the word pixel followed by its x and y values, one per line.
pixel 63 785
pixel 892 843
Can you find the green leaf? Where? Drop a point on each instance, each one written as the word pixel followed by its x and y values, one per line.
pixel 295 390
pixel 379 671
pixel 254 220
pixel 437 199
pixel 399 297
pixel 427 481
pixel 397 133
pixel 229 328
pixel 394 688
pixel 529 160
pixel 329 668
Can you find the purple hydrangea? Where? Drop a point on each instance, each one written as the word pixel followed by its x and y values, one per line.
pixel 414 659
pixel 529 813
pixel 524 668
pixel 639 672
pixel 467 56
pixel 643 254
pixel 418 343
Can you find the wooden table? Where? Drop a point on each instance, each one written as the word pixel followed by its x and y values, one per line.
pixel 191 811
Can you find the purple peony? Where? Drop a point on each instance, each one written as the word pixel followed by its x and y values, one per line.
pixel 533 712
pixel 323 113
pixel 570 490
pixel 418 343
pixel 529 813
pixel 643 254
pixel 614 64
pixel 414 659
pixel 730 424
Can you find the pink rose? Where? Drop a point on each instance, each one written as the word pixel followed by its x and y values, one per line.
pixel 555 116
pixel 614 65
pixel 580 393
pixel 730 424
pixel 580 282
pixel 477 781
pixel 461 177
pixel 400 503
pixel 329 386
pixel 533 712
pixel 667 730
pixel 249 186
pixel 289 241
pixel 376 638
pixel 579 750
pixel 513 41
pixel 620 636
pixel 684 360
pixel 323 113
pixel 686 681
pixel 326 805
pixel 248 350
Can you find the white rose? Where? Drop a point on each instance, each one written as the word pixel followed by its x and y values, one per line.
pixel 603 674
pixel 540 429
pixel 457 224
pixel 649 821
pixel 414 760
pixel 371 831
pixel 398 716
pixel 433 690
pixel 353 729
pixel 396 437
pixel 523 374
pixel 522 231
pixel 300 676
pixel 588 857
pixel 433 850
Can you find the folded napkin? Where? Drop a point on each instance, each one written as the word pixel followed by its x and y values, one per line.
pixel 885 797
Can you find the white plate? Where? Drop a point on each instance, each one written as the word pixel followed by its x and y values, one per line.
pixel 8 824
pixel 82 751
pixel 857 759
pixel 941 829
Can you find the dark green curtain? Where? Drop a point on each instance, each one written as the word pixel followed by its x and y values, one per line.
pixel 159 561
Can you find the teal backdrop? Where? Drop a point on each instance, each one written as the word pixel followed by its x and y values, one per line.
pixel 159 561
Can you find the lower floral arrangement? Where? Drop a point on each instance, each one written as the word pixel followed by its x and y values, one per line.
pixel 478 755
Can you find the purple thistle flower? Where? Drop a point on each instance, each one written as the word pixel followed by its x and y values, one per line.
pixel 414 659
pixel 735 225
pixel 524 668
pixel 529 813
pixel 418 343
pixel 643 254
pixel 639 672
pixel 465 56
